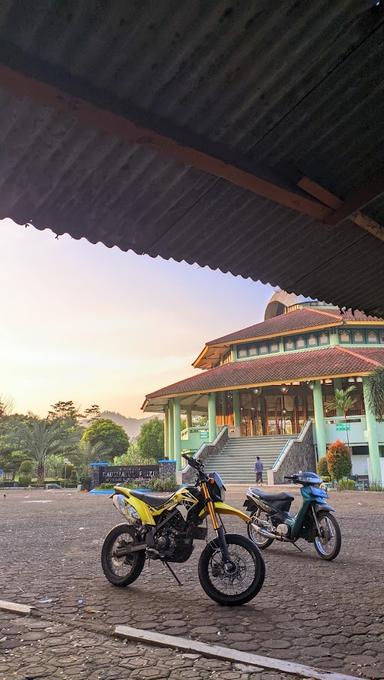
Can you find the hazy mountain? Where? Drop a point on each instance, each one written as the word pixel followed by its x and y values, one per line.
pixel 131 425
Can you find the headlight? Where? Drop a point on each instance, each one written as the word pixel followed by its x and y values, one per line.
pixel 128 512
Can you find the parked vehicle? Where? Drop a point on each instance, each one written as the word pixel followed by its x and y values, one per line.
pixel 314 522
pixel 231 568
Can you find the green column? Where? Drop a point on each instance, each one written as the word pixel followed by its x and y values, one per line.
pixel 166 433
pixel 374 453
pixel 177 433
pixel 236 408
pixel 212 416
pixel 170 430
pixel 333 337
pixel 319 419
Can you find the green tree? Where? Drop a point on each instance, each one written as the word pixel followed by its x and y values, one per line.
pixel 92 412
pixel 339 460
pixel 112 437
pixel 151 440
pixel 25 472
pixel 39 439
pixel 376 393
pixel 65 411
pixel 322 467
pixel 344 402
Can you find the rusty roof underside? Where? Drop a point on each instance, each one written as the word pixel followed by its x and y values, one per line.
pixel 243 136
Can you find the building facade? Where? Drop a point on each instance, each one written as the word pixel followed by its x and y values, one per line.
pixel 274 376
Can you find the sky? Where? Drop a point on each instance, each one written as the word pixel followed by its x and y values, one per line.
pixel 97 325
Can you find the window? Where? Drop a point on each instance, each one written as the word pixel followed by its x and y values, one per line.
pixel 358 336
pixel 263 349
pixel 300 342
pixel 312 340
pixel 241 353
pixel 345 336
pixel 252 351
pixel 289 345
pixel 381 334
pixel 274 347
pixel 373 336
pixel 324 338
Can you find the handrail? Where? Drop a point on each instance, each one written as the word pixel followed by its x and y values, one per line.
pixel 287 446
pixel 203 446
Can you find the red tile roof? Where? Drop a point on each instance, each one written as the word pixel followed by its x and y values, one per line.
pixel 309 364
pixel 292 321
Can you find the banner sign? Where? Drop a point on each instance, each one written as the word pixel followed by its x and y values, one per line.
pixel 124 473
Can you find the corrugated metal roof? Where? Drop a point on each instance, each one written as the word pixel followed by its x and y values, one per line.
pixel 294 87
pixel 306 365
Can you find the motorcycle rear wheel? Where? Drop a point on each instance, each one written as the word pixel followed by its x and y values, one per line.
pixel 328 545
pixel 261 541
pixel 121 571
pixel 239 587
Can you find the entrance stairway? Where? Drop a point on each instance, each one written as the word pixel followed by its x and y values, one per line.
pixel 236 461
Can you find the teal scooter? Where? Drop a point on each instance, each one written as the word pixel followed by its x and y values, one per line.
pixel 314 522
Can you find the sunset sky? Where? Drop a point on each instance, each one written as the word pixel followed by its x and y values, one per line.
pixel 97 325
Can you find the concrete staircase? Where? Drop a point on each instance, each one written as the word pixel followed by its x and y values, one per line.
pixel 236 461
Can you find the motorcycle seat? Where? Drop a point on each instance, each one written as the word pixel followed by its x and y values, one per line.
pixel 154 500
pixel 271 497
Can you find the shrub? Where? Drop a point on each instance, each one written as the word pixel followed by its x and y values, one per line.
pixel 339 460
pixel 322 467
pixel 346 485
pixel 375 486
pixel 167 484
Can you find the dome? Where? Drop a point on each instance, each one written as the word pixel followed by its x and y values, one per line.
pixel 279 303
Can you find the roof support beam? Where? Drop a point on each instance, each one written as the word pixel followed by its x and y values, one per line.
pixel 364 221
pixel 24 76
pixel 357 200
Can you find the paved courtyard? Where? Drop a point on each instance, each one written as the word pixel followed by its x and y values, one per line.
pixel 329 615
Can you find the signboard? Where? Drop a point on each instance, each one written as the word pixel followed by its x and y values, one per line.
pixel 342 427
pixel 115 474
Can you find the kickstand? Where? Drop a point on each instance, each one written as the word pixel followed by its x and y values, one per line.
pixel 296 546
pixel 172 572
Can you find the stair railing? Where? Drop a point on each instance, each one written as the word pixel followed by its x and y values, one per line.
pixel 204 451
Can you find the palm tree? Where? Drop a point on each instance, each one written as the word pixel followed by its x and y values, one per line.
pixel 376 393
pixel 39 439
pixel 342 401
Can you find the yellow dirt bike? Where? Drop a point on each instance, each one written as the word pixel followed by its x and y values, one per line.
pixel 231 568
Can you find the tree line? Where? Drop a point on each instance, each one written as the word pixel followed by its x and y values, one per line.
pixel 62 445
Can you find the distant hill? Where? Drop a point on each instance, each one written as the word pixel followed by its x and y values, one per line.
pixel 132 426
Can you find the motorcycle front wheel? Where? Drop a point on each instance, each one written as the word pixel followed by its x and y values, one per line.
pixel 328 543
pixel 124 570
pixel 239 583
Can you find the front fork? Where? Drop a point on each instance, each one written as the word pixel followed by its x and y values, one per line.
pixel 217 527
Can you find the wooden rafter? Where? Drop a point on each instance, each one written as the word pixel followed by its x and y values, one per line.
pixel 364 221
pixel 121 119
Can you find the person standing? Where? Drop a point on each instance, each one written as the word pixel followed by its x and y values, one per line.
pixel 259 470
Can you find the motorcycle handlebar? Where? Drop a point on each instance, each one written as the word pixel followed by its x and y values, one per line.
pixel 192 462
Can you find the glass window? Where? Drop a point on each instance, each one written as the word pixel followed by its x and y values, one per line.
pixel 312 340
pixel 242 352
pixel 358 336
pixel 252 350
pixel 345 336
pixel 373 336
pixel 274 347
pixel 381 334
pixel 263 349
pixel 289 345
pixel 300 342
pixel 324 338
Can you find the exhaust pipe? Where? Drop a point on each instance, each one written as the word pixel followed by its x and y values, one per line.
pixel 269 534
